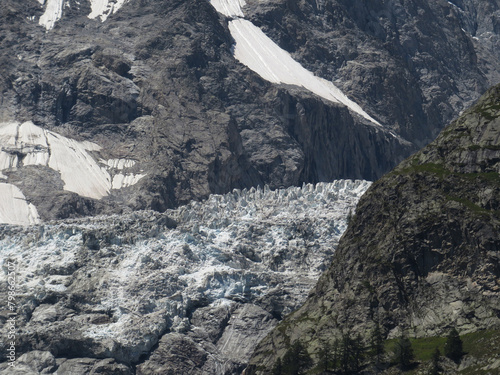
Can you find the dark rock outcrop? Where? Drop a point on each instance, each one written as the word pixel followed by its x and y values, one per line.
pixel 415 64
pixel 421 255
pixel 157 83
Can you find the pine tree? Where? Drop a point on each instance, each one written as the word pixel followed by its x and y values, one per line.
pixel 325 356
pixel 404 352
pixel 377 341
pixel 453 347
pixel 435 362
pixel 296 360
pixel 351 354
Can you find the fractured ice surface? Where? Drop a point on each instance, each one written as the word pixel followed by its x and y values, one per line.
pixel 245 248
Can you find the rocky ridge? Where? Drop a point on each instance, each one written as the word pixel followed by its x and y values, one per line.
pixel 192 290
pixel 421 255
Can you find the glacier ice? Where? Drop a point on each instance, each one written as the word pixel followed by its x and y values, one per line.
pixel 14 208
pixel 258 248
pixel 27 144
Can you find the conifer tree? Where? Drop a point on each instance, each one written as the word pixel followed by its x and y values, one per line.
pixel 404 352
pixel 325 355
pixel 377 341
pixel 453 347
pixel 351 354
pixel 435 362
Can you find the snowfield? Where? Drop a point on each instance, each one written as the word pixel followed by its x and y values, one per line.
pixel 101 9
pixel 27 144
pixel 258 52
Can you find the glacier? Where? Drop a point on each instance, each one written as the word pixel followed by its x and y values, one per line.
pixel 207 274
pixel 101 9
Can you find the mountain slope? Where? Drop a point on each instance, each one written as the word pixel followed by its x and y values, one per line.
pixel 415 63
pixel 156 85
pixel 163 89
pixel 422 253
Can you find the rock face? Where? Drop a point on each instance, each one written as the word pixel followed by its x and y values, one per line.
pixel 416 63
pixel 192 290
pixel 422 253
pixel 156 83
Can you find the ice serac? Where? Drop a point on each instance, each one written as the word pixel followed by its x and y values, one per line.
pixel 141 289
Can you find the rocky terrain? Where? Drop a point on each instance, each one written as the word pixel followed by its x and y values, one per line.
pixel 160 89
pixel 192 290
pixel 421 255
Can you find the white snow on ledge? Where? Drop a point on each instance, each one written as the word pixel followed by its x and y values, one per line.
pixel 229 8
pixel 104 8
pixel 28 144
pixel 14 208
pixel 52 14
pixel 259 53
pixel 99 9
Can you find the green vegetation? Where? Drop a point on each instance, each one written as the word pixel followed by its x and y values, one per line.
pixel 437 169
pixel 470 205
pixel 349 356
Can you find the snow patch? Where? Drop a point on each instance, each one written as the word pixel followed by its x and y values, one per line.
pixel 104 8
pixel 79 170
pixel 53 13
pixel 121 180
pixel 28 144
pixel 229 8
pixel 258 52
pixel 14 208
pixel 119 163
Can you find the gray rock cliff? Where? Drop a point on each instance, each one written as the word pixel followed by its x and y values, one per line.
pixel 421 255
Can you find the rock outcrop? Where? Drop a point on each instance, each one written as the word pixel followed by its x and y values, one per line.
pixel 156 83
pixel 421 255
